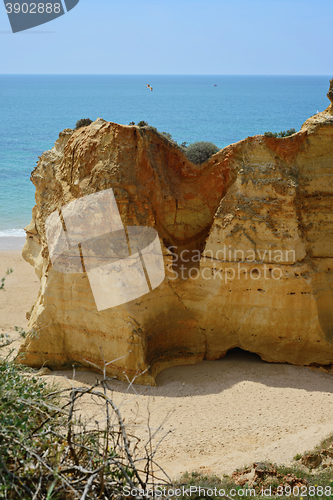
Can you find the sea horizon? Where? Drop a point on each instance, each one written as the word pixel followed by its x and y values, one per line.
pixel 159 74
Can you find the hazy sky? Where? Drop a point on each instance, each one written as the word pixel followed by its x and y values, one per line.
pixel 266 37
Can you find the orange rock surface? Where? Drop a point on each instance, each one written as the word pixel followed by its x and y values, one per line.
pixel 247 240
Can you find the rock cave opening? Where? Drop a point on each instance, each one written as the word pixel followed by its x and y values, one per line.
pixel 238 354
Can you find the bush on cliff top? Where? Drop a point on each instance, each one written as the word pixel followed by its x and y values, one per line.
pixel 84 122
pixel 199 152
pixel 283 133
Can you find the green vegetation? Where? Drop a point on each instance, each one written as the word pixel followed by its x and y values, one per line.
pixel 47 452
pixel 167 136
pixel 283 133
pixel 268 481
pixel 2 281
pixel 84 122
pixel 311 476
pixel 26 442
pixel 199 152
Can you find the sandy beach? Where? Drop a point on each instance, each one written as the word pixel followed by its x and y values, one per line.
pixel 221 415
pixel 21 288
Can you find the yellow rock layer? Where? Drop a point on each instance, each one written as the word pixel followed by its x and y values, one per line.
pixel 259 214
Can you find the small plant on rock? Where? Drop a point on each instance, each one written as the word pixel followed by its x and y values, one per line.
pixel 84 122
pixel 283 133
pixel 199 152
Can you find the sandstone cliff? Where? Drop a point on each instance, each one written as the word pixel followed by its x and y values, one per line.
pixel 247 241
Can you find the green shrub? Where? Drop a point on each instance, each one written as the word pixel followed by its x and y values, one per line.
pixel 24 439
pixel 2 281
pixel 283 133
pixel 199 152
pixel 270 134
pixel 47 448
pixel 47 451
pixel 84 122
pixel 291 131
pixel 167 136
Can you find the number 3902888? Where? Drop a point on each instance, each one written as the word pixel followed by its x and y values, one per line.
pixel 33 8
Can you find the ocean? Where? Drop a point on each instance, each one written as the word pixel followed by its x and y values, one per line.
pixel 220 109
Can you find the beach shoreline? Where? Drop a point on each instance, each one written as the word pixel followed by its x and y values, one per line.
pixel 21 289
pixel 12 243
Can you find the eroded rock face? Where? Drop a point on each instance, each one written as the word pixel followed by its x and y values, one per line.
pixel 330 91
pixel 247 241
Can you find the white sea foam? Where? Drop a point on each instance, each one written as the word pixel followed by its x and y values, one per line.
pixel 12 233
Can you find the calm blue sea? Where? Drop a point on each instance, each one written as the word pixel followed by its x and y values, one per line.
pixel 35 108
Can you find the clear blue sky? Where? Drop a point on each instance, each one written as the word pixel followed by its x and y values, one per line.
pixel 269 37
